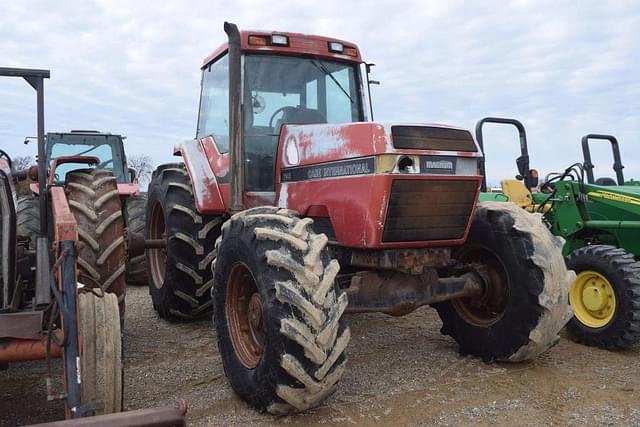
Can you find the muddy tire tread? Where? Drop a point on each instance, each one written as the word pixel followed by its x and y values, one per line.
pixel 310 335
pixel 543 310
pixel 95 203
pixel 190 248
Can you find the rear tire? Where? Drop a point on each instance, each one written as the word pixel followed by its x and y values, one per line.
pixel 180 276
pixel 136 267
pixel 94 200
pixel 616 270
pixel 525 306
pixel 101 351
pixel 278 311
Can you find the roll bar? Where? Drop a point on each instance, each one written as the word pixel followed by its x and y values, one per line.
pixel 522 162
pixel 617 159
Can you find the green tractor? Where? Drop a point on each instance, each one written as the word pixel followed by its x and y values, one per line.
pixel 600 222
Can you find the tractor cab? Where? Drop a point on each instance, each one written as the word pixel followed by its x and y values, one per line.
pixel 283 79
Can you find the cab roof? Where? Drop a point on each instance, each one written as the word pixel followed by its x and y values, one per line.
pixel 298 44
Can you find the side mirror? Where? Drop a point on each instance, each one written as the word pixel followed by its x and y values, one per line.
pixel 132 174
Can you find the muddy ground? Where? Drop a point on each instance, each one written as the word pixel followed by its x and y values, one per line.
pixel 401 371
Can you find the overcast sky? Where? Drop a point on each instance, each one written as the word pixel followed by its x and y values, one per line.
pixel 563 68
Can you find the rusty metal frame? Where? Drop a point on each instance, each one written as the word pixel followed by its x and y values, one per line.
pixel 166 416
pixel 65 225
pixel 35 78
pixel 396 293
pixel 406 260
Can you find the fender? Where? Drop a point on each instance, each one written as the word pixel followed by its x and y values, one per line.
pixel 205 186
pixel 129 189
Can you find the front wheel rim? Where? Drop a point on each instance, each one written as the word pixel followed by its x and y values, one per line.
pixel 489 308
pixel 593 299
pixel 157 257
pixel 244 313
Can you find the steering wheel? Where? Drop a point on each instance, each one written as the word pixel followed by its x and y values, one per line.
pixel 275 113
pixel 6 156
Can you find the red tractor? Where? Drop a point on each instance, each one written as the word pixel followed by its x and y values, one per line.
pixel 292 209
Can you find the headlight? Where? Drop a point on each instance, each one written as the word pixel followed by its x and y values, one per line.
pixel 394 163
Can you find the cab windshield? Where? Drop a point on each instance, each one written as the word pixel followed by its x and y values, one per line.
pixel 104 147
pixel 295 90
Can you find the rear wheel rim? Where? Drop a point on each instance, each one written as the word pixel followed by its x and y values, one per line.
pixel 593 299
pixel 243 308
pixel 157 257
pixel 487 309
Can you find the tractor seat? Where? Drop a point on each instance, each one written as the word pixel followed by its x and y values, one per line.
pixel 517 193
pixel 606 181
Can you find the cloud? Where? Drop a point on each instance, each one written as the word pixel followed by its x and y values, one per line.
pixel 564 68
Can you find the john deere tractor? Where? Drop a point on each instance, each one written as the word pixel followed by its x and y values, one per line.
pixel 290 209
pixel 600 221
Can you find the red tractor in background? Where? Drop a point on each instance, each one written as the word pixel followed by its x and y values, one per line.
pixel 66 156
pixel 291 209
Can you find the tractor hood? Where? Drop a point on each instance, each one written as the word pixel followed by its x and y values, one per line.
pixel 309 144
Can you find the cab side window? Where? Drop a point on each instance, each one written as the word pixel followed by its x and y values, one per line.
pixel 213 119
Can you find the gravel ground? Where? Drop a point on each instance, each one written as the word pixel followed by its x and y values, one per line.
pixel 401 372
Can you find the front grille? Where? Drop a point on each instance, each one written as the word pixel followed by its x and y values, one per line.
pixel 432 138
pixel 423 210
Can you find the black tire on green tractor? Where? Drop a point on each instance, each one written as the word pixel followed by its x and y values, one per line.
pixel 101 370
pixel 524 305
pixel 136 266
pixel 180 277
pixel 278 311
pixel 95 203
pixel 28 218
pixel 605 297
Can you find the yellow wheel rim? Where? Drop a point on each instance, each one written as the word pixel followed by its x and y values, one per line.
pixel 593 299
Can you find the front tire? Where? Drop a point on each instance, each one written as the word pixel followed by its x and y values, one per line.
pixel 101 353
pixel 605 297
pixel 525 303
pixel 278 311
